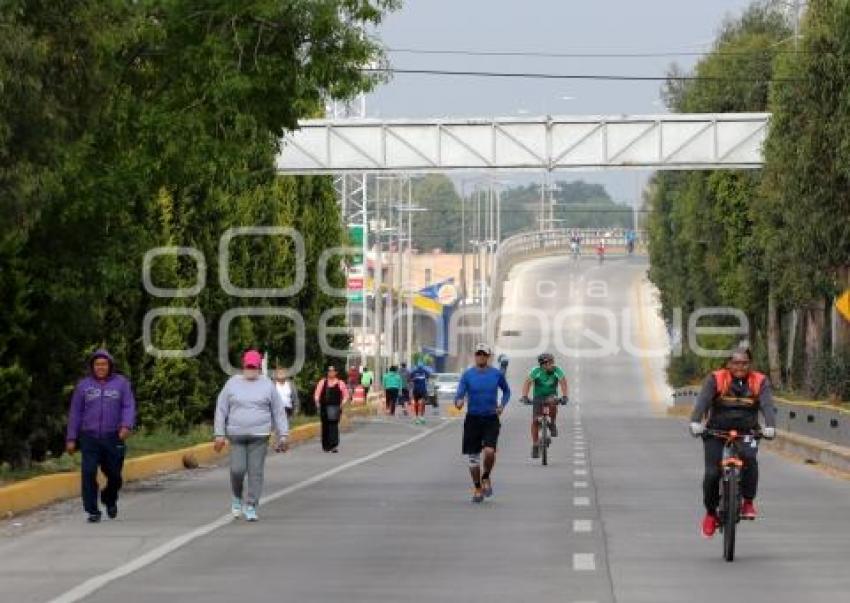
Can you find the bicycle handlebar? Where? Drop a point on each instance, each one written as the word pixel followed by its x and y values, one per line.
pixel 727 435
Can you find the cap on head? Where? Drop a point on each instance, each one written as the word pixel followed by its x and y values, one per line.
pixel 252 359
pixel 483 348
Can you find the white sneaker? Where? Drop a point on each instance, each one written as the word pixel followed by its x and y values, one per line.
pixel 236 507
pixel 250 513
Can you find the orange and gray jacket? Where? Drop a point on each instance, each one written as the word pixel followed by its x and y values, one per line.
pixel 722 394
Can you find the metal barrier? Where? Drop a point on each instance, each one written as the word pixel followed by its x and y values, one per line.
pixel 815 421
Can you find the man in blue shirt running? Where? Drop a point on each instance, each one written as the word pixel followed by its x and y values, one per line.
pixel 480 386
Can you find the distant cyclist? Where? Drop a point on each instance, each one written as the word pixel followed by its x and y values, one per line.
pixel 546 378
pixel 479 385
pixel 600 251
pixel 732 398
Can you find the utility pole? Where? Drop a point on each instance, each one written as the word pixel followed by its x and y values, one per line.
pixel 409 348
pixel 379 268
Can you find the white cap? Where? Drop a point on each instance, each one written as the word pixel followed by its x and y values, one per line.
pixel 483 347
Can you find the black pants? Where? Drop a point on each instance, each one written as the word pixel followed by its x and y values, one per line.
pixel 330 432
pixel 392 398
pixel 108 454
pixel 713 472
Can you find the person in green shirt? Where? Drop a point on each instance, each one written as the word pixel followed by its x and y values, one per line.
pixel 546 378
pixel 392 386
pixel 366 379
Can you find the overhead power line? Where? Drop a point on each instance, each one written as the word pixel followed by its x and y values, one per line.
pixel 588 55
pixel 576 76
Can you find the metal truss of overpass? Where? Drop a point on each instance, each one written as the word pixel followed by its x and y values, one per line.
pixel 665 142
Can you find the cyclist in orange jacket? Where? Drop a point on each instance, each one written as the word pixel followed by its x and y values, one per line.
pixel 731 398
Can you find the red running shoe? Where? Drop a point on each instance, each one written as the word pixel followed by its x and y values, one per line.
pixel 748 510
pixel 709 525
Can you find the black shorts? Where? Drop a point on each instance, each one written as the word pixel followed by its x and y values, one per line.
pixel 420 394
pixel 480 431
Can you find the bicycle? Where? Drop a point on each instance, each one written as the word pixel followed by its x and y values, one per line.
pixel 544 422
pixel 730 484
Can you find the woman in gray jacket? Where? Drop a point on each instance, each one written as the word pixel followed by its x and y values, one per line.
pixel 247 409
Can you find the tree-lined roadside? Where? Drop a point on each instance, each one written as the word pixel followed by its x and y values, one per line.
pixel 130 126
pixel 774 243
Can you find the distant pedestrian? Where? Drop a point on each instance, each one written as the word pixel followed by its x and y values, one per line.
pixel 102 416
pixel 392 387
pixel 366 380
pixel 419 377
pixel 353 378
pixel 330 394
pixel 404 398
pixel 286 391
pixel 248 407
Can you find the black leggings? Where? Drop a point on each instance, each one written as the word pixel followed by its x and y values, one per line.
pixel 711 483
pixel 391 399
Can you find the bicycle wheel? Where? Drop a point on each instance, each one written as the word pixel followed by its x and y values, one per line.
pixel 544 441
pixel 730 517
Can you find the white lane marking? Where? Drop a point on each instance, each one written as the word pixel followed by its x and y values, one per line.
pixel 584 562
pixel 579 462
pixel 579 455
pixel 97 582
pixel 579 484
pixel 580 471
pixel 582 525
pixel 581 501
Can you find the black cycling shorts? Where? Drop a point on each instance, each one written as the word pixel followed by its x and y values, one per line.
pixel 480 431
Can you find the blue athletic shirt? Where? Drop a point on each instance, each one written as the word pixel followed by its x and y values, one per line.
pixel 481 388
pixel 419 378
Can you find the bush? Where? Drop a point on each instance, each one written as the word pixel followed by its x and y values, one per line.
pixel 831 376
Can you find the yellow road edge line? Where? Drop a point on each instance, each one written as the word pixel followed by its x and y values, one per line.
pixel 656 403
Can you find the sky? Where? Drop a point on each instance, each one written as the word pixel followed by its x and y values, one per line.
pixel 549 26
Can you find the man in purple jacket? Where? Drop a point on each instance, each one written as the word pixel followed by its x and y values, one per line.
pixel 103 411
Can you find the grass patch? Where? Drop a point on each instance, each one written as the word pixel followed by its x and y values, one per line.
pixel 140 444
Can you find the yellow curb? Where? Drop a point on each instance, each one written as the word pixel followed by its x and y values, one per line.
pixel 36 492
pixel 453 411
pixel 813 404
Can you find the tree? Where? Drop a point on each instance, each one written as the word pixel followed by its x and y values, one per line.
pixel 130 125
pixel 806 198
pixel 703 246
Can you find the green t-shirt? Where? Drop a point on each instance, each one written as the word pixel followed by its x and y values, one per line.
pixel 366 379
pixel 545 383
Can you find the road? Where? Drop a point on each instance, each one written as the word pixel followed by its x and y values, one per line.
pixel 613 518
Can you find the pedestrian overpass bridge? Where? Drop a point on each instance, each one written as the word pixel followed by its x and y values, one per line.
pixel 658 142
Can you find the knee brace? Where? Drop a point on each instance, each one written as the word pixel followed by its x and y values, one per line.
pixel 474 461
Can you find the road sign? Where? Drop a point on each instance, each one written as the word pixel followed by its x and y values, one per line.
pixel 842 304
pixel 355 283
pixel 355 296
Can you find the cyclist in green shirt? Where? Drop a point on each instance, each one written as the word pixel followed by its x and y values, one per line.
pixel 546 378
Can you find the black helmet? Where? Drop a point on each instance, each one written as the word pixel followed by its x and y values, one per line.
pixel 545 357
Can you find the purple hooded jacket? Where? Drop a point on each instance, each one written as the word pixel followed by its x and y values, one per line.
pixel 101 408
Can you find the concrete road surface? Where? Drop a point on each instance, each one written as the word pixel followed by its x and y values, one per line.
pixel 613 518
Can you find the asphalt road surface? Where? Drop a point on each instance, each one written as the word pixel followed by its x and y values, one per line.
pixel 614 517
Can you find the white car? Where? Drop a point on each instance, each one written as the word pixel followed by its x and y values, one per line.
pixel 446 384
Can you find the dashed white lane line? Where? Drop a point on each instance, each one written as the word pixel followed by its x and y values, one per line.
pixel 584 562
pixel 582 525
pixel 579 455
pixel 581 501
pixel 580 472
pixel 579 485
